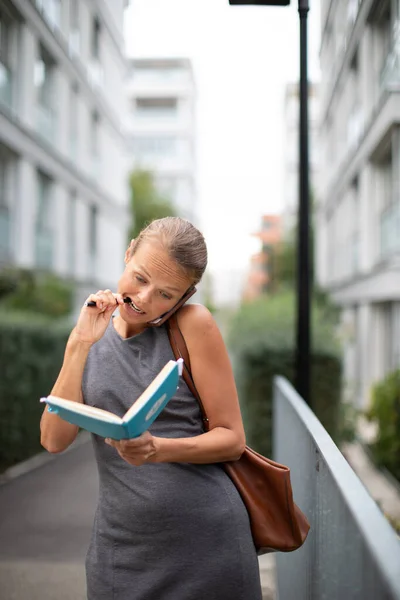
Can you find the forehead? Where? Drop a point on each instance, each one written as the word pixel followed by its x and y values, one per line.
pixel 154 261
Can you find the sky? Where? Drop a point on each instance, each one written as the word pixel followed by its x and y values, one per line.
pixel 242 56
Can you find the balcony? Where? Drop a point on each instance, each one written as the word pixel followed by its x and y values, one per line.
pixel 5 86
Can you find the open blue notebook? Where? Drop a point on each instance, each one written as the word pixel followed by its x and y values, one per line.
pixel 135 421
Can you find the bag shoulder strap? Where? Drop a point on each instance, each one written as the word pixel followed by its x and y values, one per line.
pixel 180 350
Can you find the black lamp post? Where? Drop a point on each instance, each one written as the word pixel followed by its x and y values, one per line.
pixel 303 237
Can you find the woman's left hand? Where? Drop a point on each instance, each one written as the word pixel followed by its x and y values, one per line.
pixel 136 451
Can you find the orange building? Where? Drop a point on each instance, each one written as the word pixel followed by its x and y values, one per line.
pixel 259 276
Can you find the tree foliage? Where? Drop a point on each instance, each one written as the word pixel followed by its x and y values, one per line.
pixel 147 203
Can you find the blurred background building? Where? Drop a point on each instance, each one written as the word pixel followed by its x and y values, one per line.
pixel 161 133
pixel 261 271
pixel 291 149
pixel 63 171
pixel 358 227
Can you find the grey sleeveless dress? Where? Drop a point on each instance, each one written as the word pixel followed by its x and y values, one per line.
pixel 174 531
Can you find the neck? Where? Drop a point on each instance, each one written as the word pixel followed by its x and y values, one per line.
pixel 125 330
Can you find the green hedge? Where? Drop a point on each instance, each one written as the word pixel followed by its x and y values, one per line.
pixel 385 411
pixel 261 344
pixel 31 354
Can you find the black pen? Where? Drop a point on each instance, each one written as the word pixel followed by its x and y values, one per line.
pixel 127 300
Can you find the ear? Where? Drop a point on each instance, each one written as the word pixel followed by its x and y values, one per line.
pixel 128 253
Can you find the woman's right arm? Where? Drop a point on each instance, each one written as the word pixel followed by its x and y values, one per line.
pixel 55 433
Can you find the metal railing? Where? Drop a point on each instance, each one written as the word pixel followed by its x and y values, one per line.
pixel 351 553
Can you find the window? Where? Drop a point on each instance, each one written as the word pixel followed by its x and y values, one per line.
pixel 71 233
pixel 94 133
pixel 51 11
pixel 43 78
pixel 155 108
pixel 74 33
pixel 392 336
pixel 93 218
pixel 96 31
pixel 73 122
pixel 355 220
pixel 390 213
pixel 44 83
pixel 94 144
pixel 153 146
pixel 43 220
pixel 5 60
pixel 5 221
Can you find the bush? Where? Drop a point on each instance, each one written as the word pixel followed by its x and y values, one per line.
pixel 31 355
pixel 261 343
pixel 385 411
pixel 37 292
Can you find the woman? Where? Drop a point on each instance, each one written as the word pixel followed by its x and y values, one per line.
pixel 170 524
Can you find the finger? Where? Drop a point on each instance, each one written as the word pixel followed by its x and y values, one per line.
pixel 114 299
pixel 93 298
pixel 113 443
pixel 119 298
pixel 105 300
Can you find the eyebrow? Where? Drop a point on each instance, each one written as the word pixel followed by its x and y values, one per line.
pixel 166 287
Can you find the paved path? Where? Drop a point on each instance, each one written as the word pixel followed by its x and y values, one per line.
pixel 45 522
pixel 46 516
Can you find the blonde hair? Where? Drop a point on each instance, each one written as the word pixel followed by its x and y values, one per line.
pixel 182 241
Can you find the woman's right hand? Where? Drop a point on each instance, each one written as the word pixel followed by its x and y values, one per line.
pixel 93 320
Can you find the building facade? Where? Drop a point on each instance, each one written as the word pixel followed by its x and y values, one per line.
pixel 291 149
pixel 63 170
pixel 358 225
pixel 161 131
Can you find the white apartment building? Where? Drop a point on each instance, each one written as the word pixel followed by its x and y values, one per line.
pixel 291 149
pixel 161 130
pixel 63 172
pixel 358 258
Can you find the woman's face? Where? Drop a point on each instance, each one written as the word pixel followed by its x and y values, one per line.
pixel 153 281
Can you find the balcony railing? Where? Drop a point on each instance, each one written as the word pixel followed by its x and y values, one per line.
pixel 5 86
pixel 351 550
pixel 390 229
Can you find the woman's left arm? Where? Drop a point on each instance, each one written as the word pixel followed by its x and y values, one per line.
pixel 213 376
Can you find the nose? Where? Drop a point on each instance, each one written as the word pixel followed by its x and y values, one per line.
pixel 144 296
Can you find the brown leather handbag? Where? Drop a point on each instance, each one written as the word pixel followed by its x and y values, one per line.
pixel 277 523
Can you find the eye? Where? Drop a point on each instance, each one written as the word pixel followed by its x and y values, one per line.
pixel 165 295
pixel 140 279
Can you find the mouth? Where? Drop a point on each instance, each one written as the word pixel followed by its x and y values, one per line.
pixel 135 308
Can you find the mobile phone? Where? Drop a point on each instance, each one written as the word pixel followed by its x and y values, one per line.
pixel 165 316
